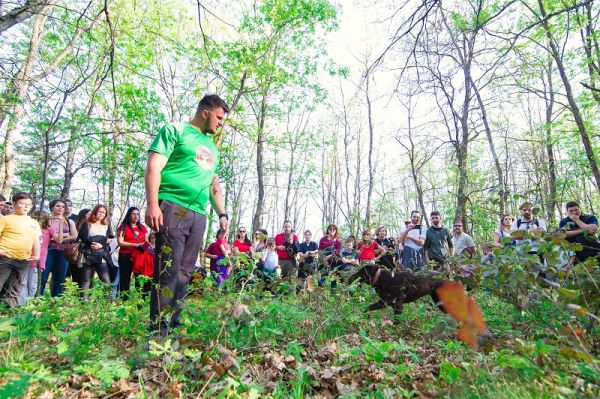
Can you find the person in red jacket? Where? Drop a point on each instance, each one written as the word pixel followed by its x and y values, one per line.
pixel 286 244
pixel 368 250
pixel 242 244
pixel 330 246
pixel 131 236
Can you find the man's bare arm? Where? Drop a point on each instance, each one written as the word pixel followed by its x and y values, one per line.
pixel 216 200
pixel 156 163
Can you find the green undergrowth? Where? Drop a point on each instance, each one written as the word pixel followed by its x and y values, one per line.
pixel 255 343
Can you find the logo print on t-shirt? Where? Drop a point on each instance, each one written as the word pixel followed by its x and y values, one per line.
pixel 205 158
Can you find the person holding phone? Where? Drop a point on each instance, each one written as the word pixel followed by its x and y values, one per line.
pixel 412 237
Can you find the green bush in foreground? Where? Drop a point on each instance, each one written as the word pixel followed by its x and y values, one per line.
pixel 253 343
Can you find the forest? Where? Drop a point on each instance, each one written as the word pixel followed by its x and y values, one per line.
pixel 347 112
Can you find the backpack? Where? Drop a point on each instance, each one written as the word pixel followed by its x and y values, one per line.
pixel 534 221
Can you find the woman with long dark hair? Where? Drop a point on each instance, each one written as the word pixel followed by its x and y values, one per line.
pixel 73 270
pixel 503 230
pixel 56 263
pixel 242 244
pixel 330 246
pixel 95 234
pixel 131 236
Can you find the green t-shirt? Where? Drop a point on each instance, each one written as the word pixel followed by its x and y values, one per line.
pixel 193 160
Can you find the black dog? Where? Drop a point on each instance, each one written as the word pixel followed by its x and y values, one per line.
pixel 396 289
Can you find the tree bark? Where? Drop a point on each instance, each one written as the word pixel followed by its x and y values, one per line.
pixel 488 132
pixel 370 154
pixel 22 13
pixel 577 116
pixel 19 86
pixel 552 195
pixel 16 93
pixel 260 144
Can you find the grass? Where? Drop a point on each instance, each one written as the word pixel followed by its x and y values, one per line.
pixel 312 344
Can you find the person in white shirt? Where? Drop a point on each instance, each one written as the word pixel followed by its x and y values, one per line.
pixel 270 259
pixel 412 237
pixel 529 224
pixel 463 243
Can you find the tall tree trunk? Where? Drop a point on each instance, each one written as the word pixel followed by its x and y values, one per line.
pixel 357 205
pixel 349 209
pixel 552 195
pixel 16 93
pixel 577 116
pixel 589 39
pixel 112 167
pixel 370 155
pixel 288 190
pixel 415 163
pixel 462 145
pixel 488 132
pixel 260 144
pixel 21 13
pixel 20 84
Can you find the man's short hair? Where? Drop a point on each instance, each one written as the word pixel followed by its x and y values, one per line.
pixel 308 232
pixel 526 205
pixel 211 102
pixel 572 204
pixel 21 195
pixel 287 221
pixel 435 213
pixel 413 212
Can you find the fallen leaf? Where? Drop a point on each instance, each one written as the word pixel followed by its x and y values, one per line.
pixel 275 360
pixel 309 284
pixel 328 352
pixel 307 323
pixel 174 389
pixel 228 358
pixel 239 309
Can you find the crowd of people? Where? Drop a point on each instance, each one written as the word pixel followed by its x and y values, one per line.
pixel 413 248
pixel 36 251
pixel 181 179
pixel 44 249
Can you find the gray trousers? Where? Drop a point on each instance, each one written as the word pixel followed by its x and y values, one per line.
pixel 30 284
pixel 12 272
pixel 177 245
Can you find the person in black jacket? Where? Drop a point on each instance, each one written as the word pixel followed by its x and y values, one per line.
pixel 96 235
pixel 581 229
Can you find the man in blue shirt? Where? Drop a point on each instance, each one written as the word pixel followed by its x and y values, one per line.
pixel 307 252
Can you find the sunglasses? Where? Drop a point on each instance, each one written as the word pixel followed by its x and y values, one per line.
pixel 458 225
pixel 241 231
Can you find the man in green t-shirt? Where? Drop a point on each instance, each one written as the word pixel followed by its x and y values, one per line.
pixel 181 178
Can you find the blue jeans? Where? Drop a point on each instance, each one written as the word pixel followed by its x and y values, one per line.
pixel 57 265
pixel 412 259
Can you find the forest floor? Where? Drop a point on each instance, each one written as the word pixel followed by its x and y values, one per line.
pixel 316 344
